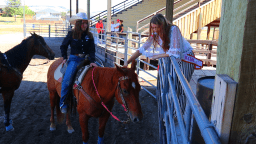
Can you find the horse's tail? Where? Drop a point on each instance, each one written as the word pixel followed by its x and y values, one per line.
pixel 73 104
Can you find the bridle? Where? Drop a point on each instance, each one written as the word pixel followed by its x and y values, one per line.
pixel 121 95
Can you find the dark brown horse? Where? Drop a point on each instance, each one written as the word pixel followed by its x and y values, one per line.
pixel 110 83
pixel 12 65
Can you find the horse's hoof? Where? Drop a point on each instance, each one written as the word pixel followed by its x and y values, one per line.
pixel 9 128
pixel 52 128
pixel 71 131
pixel 100 140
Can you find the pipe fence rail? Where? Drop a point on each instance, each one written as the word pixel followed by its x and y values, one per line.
pixel 171 117
pixel 48 30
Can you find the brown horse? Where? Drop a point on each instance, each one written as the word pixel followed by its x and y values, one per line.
pixel 110 83
pixel 12 65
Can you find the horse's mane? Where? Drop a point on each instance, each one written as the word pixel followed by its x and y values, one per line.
pixel 18 54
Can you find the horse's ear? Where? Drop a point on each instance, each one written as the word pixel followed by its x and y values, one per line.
pixel 133 67
pixel 119 69
pixel 31 33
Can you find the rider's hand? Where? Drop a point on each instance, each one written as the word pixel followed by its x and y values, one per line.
pixel 93 64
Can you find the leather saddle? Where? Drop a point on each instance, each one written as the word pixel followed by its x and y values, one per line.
pixel 82 69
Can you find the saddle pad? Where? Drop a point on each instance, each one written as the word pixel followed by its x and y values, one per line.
pixel 60 71
pixel 58 74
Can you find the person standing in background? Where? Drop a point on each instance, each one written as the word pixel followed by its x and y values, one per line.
pixel 117 25
pixel 121 26
pixel 112 29
pixel 117 29
pixel 121 29
pixel 99 27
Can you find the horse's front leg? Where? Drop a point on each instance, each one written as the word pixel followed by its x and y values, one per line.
pixel 83 120
pixel 7 96
pixel 102 123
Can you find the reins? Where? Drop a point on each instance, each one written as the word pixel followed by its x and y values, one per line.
pixel 39 64
pixel 124 103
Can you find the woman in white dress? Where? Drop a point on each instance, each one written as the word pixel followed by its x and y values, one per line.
pixel 167 41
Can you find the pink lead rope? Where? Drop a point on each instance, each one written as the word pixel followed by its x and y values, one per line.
pixel 102 101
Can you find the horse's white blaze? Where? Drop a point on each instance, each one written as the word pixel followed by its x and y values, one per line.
pixel 133 85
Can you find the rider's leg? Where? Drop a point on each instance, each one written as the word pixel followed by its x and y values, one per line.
pixel 67 80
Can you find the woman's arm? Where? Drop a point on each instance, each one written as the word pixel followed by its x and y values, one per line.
pixel 133 57
pixel 64 45
pixel 159 56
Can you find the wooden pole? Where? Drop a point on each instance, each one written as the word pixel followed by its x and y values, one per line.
pixel 88 9
pixel 76 6
pixel 199 24
pixel 169 10
pixel 70 12
pixel 208 32
pixel 109 16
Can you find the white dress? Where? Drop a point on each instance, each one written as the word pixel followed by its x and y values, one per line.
pixel 178 45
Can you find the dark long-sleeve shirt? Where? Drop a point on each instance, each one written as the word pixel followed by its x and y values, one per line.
pixel 85 45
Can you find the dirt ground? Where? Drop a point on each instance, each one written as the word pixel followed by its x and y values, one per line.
pixel 30 111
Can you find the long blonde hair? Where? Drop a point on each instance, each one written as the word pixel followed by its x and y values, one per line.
pixel 163 32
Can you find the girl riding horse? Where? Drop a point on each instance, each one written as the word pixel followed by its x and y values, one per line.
pixel 82 43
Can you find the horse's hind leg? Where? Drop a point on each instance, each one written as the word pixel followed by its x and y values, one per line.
pixel 7 96
pixel 68 123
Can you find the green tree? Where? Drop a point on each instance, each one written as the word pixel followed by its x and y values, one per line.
pixel 14 8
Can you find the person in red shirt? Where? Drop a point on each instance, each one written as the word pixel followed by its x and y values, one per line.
pixel 99 27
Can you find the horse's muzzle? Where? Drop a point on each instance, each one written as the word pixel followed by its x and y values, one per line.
pixel 136 118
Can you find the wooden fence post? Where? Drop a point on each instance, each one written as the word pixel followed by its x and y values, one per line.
pixel 222 105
